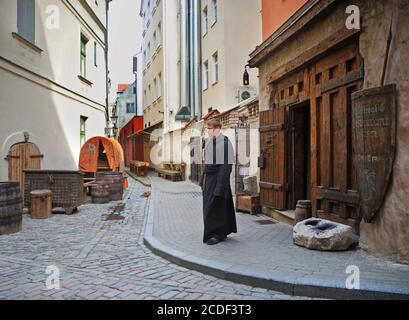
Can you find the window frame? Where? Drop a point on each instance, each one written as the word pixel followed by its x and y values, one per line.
pixel 205 21
pixel 215 59
pixel 83 55
pixel 83 130
pixel 22 17
pixel 215 12
pixel 205 75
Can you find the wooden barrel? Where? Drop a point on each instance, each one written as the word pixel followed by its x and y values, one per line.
pixel 11 208
pixel 41 204
pixel 303 210
pixel 115 181
pixel 100 193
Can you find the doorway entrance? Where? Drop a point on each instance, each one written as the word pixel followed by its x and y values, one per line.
pixel 299 154
pixel 23 156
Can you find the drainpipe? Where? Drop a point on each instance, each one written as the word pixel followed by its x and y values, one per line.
pixel 197 60
pixel 106 63
pixel 184 74
pixel 191 58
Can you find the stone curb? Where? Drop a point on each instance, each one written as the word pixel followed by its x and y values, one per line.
pixel 285 283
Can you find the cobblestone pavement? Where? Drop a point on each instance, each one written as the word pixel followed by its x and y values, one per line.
pixel 103 259
pixel 263 250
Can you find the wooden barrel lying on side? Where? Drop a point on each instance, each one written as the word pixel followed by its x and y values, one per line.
pixel 115 181
pixel 11 208
pixel 100 193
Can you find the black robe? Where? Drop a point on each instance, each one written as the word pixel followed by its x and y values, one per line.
pixel 218 208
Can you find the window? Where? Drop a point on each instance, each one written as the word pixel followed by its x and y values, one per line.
pixel 206 75
pixel 26 19
pixel 95 54
pixel 130 108
pixel 215 68
pixel 155 85
pixel 83 130
pixel 214 5
pixel 150 93
pixel 160 85
pixel 155 40
pixel 205 19
pixel 83 67
pixel 149 50
pixel 144 58
pixel 159 34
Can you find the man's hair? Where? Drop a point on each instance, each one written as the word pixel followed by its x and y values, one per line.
pixel 214 123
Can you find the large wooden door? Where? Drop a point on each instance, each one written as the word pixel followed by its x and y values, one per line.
pixel 273 178
pixel 334 190
pixel 23 156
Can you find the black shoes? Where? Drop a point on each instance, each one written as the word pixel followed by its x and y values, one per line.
pixel 215 240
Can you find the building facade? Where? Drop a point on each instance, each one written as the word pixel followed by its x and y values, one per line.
pixel 53 81
pixel 230 29
pixel 333 118
pixel 125 104
pixel 160 73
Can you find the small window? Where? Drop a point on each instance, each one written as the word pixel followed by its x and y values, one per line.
pixel 95 54
pixel 214 5
pixel 351 64
pixel 291 91
pixel 206 75
pixel 160 85
pixel 282 94
pixel 26 19
pixel 215 68
pixel 155 40
pixel 83 53
pixel 301 86
pixel 159 34
pixel 333 72
pixel 205 20
pixel 130 108
pixel 318 78
pixel 83 130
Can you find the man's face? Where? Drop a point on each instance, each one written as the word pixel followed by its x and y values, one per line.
pixel 212 131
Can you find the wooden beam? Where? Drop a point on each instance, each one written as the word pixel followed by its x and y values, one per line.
pixel 313 54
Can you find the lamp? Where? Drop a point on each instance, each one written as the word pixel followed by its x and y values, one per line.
pixel 246 77
pixel 115 131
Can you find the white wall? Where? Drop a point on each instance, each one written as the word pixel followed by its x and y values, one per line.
pixel 41 93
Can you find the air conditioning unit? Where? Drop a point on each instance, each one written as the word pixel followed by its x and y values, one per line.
pixel 245 92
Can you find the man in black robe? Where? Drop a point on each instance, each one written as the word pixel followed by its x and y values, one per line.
pixel 218 208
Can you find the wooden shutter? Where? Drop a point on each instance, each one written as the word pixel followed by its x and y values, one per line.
pixel 273 177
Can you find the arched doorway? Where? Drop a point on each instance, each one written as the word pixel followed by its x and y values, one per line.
pixel 23 156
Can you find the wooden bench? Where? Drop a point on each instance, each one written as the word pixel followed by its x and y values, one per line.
pixel 172 171
pixel 140 168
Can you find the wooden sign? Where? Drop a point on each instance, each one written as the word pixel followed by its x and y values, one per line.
pixel 374 134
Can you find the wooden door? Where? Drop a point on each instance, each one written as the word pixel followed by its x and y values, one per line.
pixel 23 156
pixel 273 178
pixel 334 189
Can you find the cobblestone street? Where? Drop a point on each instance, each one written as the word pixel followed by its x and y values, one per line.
pixel 100 258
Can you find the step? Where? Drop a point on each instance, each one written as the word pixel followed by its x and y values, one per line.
pixel 284 216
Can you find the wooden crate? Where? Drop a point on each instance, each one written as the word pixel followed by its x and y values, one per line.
pixel 248 203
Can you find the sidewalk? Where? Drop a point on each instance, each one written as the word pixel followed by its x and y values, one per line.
pixel 261 255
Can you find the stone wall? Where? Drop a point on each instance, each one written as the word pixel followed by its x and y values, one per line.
pixel 388 236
